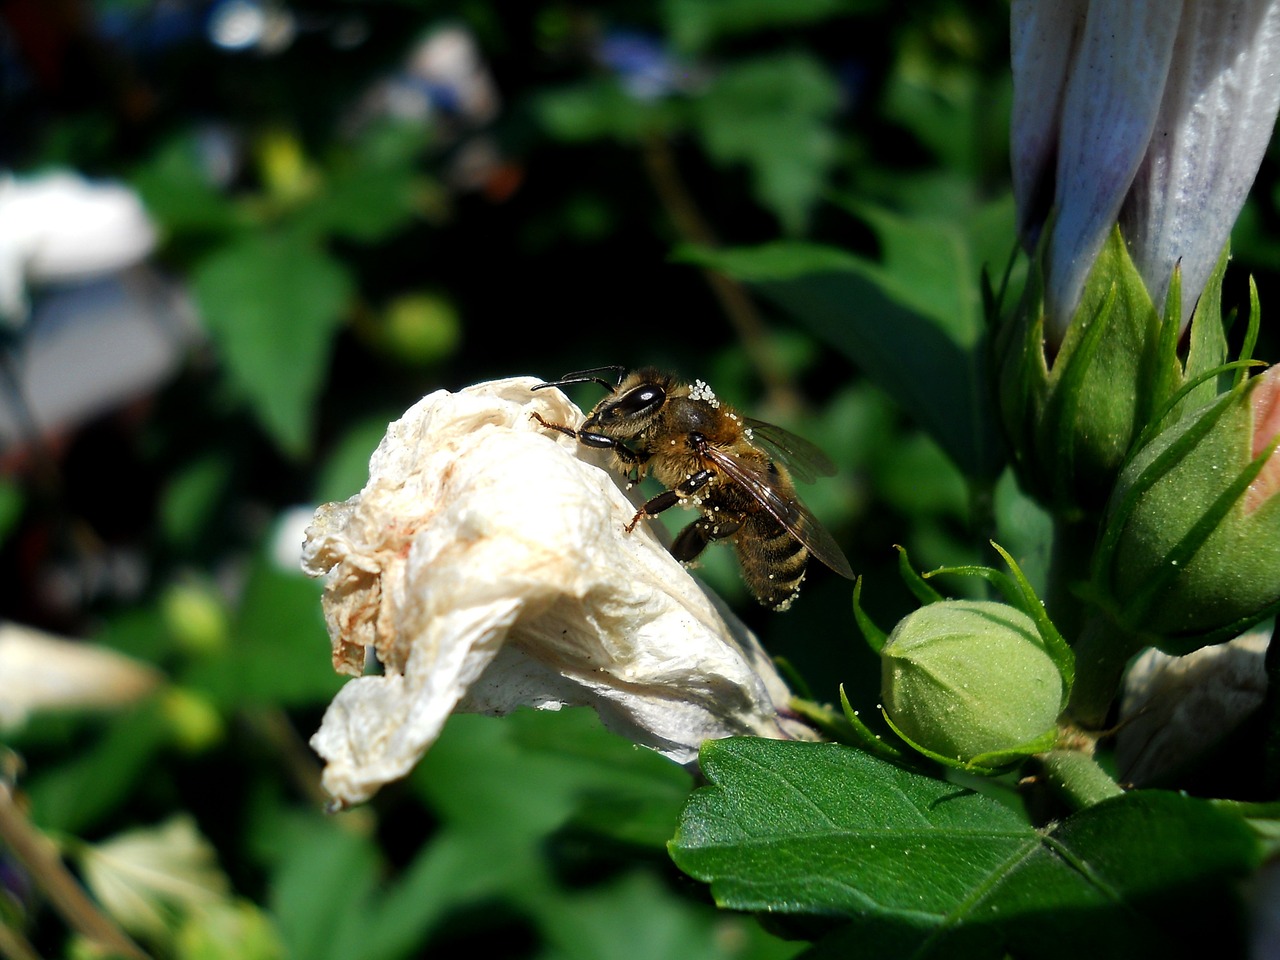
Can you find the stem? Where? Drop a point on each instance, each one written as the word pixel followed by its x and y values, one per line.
pixel 692 227
pixel 1103 650
pixel 1077 778
pixel 41 859
pixel 1073 544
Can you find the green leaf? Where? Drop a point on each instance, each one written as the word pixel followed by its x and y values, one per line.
pixel 272 302
pixel 600 109
pixel 372 190
pixel 568 765
pixel 904 865
pixel 913 322
pixel 279 655
pixel 635 917
pixel 178 192
pixel 74 795
pixel 774 115
pixel 693 24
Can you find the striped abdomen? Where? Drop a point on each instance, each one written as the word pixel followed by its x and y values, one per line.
pixel 773 561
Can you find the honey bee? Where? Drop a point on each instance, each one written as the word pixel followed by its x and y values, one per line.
pixel 736 470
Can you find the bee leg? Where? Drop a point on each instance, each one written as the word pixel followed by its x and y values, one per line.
pixel 691 542
pixel 568 431
pixel 669 498
pixel 598 440
pixel 694 538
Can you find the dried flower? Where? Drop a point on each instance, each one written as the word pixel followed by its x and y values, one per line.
pixel 486 565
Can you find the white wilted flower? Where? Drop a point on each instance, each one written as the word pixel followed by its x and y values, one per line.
pixel 39 671
pixel 1151 113
pixel 486 565
pixel 59 226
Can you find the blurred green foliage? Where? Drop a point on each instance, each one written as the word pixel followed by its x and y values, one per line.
pixel 352 238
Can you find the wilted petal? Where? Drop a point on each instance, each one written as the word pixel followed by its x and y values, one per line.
pixel 486 564
pixel 39 671
pixel 1176 708
pixel 1043 38
pixel 1108 114
pixel 1215 122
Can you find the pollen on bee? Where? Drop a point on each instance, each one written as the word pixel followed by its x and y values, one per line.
pixel 700 391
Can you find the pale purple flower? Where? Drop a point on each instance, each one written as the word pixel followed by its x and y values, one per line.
pixel 1153 114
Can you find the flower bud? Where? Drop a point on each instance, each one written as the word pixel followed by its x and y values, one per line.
pixel 968 679
pixel 1071 418
pixel 1191 554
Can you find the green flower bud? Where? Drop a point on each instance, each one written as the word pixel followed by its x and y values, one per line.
pixel 967 679
pixel 1071 416
pixel 1191 554
pixel 1072 413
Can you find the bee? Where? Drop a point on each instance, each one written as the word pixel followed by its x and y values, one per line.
pixel 736 470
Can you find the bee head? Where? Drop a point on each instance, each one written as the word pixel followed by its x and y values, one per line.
pixel 633 404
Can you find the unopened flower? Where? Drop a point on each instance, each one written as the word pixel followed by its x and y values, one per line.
pixel 967 679
pixel 486 565
pixel 1153 114
pixel 39 671
pixel 1191 554
pixel 1138 127
pixel 60 227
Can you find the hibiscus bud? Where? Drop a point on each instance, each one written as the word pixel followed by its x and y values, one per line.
pixel 971 680
pixel 1191 554
pixel 1072 417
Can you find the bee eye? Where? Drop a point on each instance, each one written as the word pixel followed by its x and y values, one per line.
pixel 643 399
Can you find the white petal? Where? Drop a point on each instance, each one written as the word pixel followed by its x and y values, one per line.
pixel 1215 122
pixel 487 565
pixel 1176 708
pixel 1043 39
pixel 64 227
pixel 39 671
pixel 1110 109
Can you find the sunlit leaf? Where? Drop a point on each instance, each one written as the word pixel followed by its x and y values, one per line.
pixel 905 865
pixel 272 303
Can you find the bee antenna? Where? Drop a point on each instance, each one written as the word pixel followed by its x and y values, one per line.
pixel 589 376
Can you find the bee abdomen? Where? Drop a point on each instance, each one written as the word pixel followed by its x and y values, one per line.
pixel 773 564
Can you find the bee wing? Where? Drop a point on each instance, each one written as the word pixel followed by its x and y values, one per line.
pixel 788 511
pixel 803 459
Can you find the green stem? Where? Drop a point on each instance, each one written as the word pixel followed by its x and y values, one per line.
pixel 1103 650
pixel 1073 543
pixel 1076 778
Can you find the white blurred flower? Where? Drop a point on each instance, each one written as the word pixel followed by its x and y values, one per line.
pixel 149 878
pixel 1151 113
pixel 1176 708
pixel 486 565
pixel 59 227
pixel 39 671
